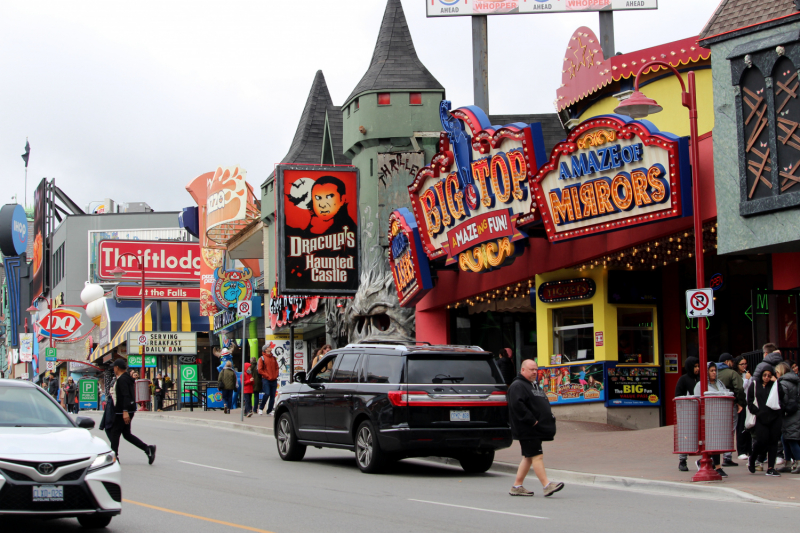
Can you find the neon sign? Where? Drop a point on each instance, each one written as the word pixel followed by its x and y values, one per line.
pixel 410 269
pixel 469 201
pixel 611 173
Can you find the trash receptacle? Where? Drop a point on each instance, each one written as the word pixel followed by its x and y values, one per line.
pixel 687 425
pixel 142 390
pixel 719 424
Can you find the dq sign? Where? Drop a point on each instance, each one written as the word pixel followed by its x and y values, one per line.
pixel 612 172
pixel 232 286
pixel 410 269
pixel 66 324
pixel 469 202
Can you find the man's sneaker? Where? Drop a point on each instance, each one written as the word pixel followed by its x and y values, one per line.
pixel 721 472
pixel 779 460
pixel 743 457
pixel 260 412
pixel 796 469
pixel 520 491
pixel 151 454
pixel 759 467
pixel 552 488
pixel 682 466
pixel 751 468
pixel 728 462
pixel 772 472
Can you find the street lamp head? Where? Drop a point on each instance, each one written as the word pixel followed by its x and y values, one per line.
pixel 118 272
pixel 32 309
pixel 638 106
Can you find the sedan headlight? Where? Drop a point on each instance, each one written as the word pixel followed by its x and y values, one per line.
pixel 103 460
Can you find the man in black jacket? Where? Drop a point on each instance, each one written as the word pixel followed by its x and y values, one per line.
pixel 124 397
pixel 532 422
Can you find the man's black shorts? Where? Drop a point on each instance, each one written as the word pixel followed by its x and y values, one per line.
pixel 531 447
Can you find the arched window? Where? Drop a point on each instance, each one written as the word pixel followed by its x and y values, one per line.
pixel 756 134
pixel 787 121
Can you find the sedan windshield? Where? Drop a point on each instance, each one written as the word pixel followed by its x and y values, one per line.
pixel 29 407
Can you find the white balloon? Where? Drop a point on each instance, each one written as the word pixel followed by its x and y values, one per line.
pixel 95 308
pixel 91 292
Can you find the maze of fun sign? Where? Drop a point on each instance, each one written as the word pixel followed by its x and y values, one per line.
pixel 611 173
pixel 469 202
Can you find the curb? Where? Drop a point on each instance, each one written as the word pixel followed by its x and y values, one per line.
pixel 650 486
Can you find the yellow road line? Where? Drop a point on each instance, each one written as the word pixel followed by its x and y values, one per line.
pixel 229 524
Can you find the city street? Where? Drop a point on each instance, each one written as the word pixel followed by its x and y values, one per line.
pixel 214 480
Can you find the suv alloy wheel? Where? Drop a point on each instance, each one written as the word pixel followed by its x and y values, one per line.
pixel 288 447
pixel 369 456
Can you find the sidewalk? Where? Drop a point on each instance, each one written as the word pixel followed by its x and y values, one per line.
pixel 581 449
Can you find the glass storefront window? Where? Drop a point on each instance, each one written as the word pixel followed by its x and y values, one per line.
pixel 635 335
pixel 573 333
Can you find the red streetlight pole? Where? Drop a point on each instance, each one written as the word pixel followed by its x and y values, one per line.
pixel 118 273
pixel 640 106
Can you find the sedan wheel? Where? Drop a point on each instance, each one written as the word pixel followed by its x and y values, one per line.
pixel 288 447
pixel 369 456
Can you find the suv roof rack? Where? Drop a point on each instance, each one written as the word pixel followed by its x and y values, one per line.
pixel 413 347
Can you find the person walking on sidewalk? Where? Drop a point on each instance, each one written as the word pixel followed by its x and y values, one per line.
pixel 733 382
pixel 532 422
pixel 743 439
pixel 789 391
pixel 505 363
pixel 768 422
pixel 685 387
pixel 227 384
pixel 256 383
pixel 268 368
pixel 159 390
pixel 247 388
pixel 124 409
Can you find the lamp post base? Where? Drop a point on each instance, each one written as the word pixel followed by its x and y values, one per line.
pixel 706 472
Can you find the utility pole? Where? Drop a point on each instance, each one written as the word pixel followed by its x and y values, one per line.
pixel 480 62
pixel 607 33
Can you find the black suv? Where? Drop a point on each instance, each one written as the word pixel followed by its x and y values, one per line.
pixel 387 402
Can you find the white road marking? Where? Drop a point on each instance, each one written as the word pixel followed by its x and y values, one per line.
pixel 479 509
pixel 206 466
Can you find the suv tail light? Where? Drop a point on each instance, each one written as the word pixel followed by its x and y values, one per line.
pixel 423 399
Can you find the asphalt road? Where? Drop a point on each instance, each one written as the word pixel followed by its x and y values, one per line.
pixel 212 480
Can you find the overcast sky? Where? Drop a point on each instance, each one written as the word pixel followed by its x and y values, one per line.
pixel 132 100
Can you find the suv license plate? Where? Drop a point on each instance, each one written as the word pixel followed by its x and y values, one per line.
pixel 459 416
pixel 48 493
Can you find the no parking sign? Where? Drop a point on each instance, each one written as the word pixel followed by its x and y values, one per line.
pixel 699 303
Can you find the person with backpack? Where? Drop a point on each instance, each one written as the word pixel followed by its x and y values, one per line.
pixel 227 384
pixel 789 383
pixel 685 387
pixel 532 422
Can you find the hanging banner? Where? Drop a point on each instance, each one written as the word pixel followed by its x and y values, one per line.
pixel 232 286
pixel 612 172
pixel 410 268
pixel 39 236
pixel 471 201
pixel 318 230
pixel 284 310
pixel 26 347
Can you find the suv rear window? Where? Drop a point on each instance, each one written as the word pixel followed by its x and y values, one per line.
pixel 384 369
pixel 461 369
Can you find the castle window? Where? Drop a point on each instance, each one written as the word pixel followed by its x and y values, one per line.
pixel 357 107
pixel 414 98
pixel 384 99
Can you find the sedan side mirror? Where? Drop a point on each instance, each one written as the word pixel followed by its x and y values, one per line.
pixel 85 422
pixel 300 377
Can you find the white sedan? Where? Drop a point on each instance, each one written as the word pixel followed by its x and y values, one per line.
pixel 50 466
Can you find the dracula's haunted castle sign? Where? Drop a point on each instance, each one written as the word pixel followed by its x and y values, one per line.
pixel 318 233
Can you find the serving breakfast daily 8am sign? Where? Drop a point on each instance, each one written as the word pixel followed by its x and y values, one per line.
pixel 455 8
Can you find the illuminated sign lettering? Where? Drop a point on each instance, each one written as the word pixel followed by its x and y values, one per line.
pixel 410 269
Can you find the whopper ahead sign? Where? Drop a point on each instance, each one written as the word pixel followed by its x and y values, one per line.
pixel 163 260
pixel 456 8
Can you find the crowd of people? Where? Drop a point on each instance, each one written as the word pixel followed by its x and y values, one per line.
pixel 766 415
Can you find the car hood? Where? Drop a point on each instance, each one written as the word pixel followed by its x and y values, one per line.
pixel 25 442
